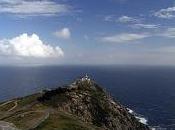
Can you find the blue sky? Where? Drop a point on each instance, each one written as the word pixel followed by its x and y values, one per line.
pixel 44 32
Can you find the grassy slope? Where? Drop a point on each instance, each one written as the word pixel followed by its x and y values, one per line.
pixel 62 121
pixel 30 114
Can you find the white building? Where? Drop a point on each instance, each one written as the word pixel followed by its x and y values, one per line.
pixel 86 78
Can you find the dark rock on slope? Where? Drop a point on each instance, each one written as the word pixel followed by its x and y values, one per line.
pixel 90 103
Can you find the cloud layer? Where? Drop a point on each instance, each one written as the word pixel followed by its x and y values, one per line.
pixel 63 33
pixel 124 37
pixel 28 46
pixel 145 26
pixel 32 8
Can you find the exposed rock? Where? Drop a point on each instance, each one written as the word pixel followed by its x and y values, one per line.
pixel 85 99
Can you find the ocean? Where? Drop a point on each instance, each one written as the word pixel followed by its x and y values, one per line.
pixel 148 90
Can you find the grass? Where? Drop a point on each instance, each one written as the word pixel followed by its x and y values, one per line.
pixel 61 121
pixel 32 111
pixel 28 99
pixel 25 121
pixel 7 106
pixel 39 107
pixel 23 117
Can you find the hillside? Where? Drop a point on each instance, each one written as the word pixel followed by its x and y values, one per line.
pixel 82 105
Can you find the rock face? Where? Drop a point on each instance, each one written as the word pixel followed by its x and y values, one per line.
pixel 88 101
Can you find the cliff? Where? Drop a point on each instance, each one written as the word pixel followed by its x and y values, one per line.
pixel 82 105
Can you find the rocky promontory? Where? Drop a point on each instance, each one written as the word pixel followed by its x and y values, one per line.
pixel 82 105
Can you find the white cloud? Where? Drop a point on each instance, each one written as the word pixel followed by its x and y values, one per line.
pixel 28 46
pixel 146 26
pixel 135 23
pixel 122 19
pixel 109 18
pixel 170 33
pixel 127 37
pixel 63 33
pixel 124 37
pixel 32 8
pixel 127 19
pixel 167 13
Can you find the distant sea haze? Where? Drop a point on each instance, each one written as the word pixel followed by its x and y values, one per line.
pixel 149 91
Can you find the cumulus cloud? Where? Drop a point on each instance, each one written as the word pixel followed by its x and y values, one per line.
pixel 25 45
pixel 127 19
pixel 167 13
pixel 32 8
pixel 124 37
pixel 63 33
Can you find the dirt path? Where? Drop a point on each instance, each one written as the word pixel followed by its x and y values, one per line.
pixel 6 103
pixel 16 104
pixel 7 126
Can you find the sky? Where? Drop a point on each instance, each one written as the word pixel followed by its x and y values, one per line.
pixel 87 32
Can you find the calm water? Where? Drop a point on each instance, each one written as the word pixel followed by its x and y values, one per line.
pixel 149 91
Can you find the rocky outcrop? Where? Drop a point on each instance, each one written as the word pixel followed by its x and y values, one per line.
pixel 92 104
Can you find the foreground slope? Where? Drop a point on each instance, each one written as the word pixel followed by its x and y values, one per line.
pixel 83 105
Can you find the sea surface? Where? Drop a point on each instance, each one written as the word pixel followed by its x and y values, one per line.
pixel 148 90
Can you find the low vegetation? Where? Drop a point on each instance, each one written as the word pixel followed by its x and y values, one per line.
pixel 81 106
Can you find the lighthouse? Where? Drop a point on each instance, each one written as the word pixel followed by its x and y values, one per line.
pixel 86 78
